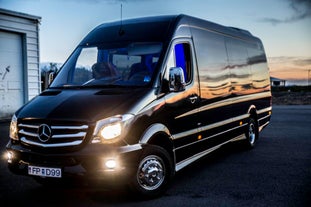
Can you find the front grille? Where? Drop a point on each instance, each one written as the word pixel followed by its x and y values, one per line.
pixel 53 135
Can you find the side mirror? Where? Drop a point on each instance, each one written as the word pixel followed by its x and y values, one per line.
pixel 176 79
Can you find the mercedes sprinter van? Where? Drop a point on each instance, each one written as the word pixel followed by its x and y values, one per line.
pixel 141 99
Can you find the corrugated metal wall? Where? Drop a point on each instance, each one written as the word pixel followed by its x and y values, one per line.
pixel 28 27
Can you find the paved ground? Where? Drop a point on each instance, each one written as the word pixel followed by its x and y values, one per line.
pixel 276 173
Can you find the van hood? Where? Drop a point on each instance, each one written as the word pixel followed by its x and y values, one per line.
pixel 87 105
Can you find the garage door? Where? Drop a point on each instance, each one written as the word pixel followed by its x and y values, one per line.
pixel 11 73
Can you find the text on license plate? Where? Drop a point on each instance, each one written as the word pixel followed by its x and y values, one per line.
pixel 45 171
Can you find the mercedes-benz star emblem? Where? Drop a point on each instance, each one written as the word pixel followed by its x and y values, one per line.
pixel 44 133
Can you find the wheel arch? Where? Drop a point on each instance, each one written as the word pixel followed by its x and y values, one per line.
pixel 252 111
pixel 159 135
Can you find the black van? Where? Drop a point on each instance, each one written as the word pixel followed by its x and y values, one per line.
pixel 139 100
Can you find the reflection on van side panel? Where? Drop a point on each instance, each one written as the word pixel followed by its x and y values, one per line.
pixel 138 102
pixel 229 69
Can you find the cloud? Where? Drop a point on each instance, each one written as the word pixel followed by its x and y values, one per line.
pixel 301 9
pixel 290 68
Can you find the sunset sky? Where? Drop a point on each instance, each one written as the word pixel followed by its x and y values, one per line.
pixel 284 26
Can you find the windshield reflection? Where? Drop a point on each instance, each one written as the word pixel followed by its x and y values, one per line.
pixel 106 66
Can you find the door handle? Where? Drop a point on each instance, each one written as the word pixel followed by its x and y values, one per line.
pixel 193 99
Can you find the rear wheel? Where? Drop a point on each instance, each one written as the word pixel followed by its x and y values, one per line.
pixel 153 173
pixel 251 133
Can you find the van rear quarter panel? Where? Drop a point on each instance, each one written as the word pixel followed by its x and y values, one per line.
pixel 233 75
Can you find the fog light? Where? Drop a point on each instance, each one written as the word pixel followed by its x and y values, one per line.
pixel 9 157
pixel 111 164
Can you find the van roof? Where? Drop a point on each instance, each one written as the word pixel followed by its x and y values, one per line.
pixel 139 29
pixel 156 28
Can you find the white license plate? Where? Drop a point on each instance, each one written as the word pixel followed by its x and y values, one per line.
pixel 45 171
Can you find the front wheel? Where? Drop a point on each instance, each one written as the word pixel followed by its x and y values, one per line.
pixel 153 173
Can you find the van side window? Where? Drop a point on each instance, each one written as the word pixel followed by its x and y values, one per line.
pixel 240 71
pixel 213 63
pixel 257 60
pixel 180 56
pixel 183 59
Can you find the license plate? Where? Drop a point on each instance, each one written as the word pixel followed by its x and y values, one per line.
pixel 45 171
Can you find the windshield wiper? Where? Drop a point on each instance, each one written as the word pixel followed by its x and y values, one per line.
pixel 111 86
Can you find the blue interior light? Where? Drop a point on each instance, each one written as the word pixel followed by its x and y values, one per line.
pixel 180 58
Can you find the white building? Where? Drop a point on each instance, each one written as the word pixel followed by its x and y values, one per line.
pixel 19 60
pixel 276 82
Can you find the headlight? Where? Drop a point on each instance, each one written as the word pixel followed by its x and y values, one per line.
pixel 109 130
pixel 13 128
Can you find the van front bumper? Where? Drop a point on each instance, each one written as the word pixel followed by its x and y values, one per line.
pixel 94 162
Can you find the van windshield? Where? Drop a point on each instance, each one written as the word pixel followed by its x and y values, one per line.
pixel 132 64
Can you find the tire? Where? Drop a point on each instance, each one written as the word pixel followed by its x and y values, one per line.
pixel 153 173
pixel 251 134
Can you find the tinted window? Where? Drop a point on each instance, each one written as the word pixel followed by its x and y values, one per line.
pixel 240 74
pixel 258 63
pixel 213 63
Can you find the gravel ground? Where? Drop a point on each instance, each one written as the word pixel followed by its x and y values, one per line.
pixel 291 98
